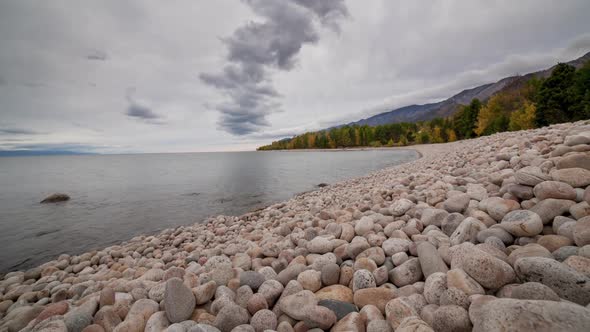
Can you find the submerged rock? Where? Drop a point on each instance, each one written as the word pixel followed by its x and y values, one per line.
pixel 56 198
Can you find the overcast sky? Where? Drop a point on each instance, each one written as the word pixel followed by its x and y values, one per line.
pixel 114 76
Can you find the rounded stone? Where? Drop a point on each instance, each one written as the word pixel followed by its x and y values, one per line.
pixel 497 232
pixel 534 291
pixel 379 325
pixel 554 189
pixel 522 223
pixel 376 254
pixel 399 258
pixel 339 308
pixel 230 316
pixel 582 232
pixel 398 309
pixel 179 301
pixel 434 286
pixel 252 279
pixel 364 264
pixel 433 217
pixel 407 273
pixel 243 294
pixel 364 225
pixel 335 292
pixel 579 263
pixel 451 318
pixel 362 279
pixel 298 305
pixel 400 207
pixel 498 207
pixel 107 297
pixel 157 322
pixel 575 177
pixel 310 280
pixel 271 290
pixel 563 280
pixel 203 328
pixel 527 315
pixel 264 320
pixel 553 242
pixel 205 292
pixel 454 296
pixel 53 309
pixel 487 270
pixel 256 303
pixel 107 318
pixel 320 317
pixel 550 208
pixel 563 253
pixel 378 297
pixel 395 245
pixel 430 259
pixel 330 274
pixel 456 203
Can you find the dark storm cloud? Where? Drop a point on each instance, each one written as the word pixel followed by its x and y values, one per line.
pixel 257 48
pixel 97 55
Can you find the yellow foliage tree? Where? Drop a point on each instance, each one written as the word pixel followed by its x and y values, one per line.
pixel 524 118
pixel 499 106
pixel 403 141
pixel 437 135
pixel 331 142
pixel 485 117
pixel 311 140
pixel 452 136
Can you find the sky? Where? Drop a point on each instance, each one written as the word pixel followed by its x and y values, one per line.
pixel 149 76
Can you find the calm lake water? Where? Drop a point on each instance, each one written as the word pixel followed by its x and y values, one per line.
pixel 115 197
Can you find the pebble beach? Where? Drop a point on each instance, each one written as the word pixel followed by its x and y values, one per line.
pixel 487 234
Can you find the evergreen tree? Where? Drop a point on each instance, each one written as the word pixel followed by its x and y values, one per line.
pixel 465 120
pixel 581 91
pixel 556 97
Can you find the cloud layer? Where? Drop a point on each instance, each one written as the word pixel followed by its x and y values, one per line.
pixel 258 48
pixel 232 75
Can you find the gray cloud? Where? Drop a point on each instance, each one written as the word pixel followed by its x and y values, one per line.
pixel 257 48
pixel 48 148
pixel 140 111
pixel 18 131
pixel 97 55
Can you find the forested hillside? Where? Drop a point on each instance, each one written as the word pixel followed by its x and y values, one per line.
pixel 563 96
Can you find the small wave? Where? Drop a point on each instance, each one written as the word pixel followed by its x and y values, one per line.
pixel 17 265
pixel 192 194
pixel 46 232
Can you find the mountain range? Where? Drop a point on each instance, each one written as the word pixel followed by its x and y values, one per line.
pixel 448 107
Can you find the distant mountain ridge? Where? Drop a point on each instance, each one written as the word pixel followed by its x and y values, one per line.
pixel 28 153
pixel 447 107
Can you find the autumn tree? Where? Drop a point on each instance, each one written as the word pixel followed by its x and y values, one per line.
pixel 524 118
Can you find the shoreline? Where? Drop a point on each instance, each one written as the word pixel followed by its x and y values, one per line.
pixel 365 148
pixel 388 161
pixel 397 245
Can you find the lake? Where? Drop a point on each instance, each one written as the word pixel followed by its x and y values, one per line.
pixel 116 197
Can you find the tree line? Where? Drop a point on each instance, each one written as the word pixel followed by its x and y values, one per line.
pixel 564 96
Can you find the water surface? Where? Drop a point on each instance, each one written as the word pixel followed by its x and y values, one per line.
pixel 115 197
